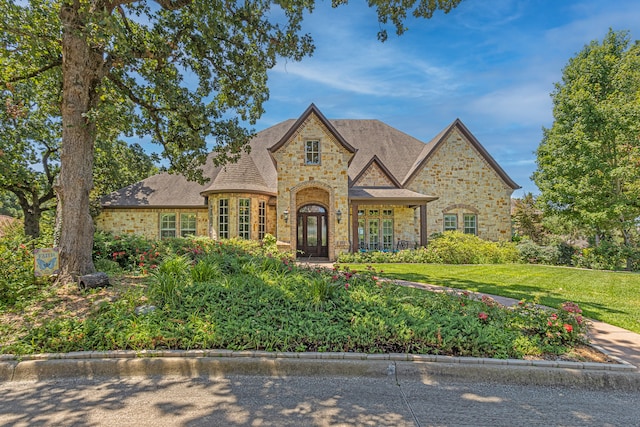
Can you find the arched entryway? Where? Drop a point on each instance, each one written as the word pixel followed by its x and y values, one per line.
pixel 312 231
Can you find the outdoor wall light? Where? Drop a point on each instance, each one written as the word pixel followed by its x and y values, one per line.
pixel 286 216
pixel 338 215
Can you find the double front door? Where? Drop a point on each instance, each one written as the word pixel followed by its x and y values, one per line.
pixel 312 232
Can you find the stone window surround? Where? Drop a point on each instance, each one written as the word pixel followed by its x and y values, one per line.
pixel 293 207
pixel 310 151
pixel 450 223
pixel 467 210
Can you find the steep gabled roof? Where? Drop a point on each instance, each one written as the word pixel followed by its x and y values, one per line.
pixel 376 161
pixel 397 154
pixel 312 109
pixel 431 147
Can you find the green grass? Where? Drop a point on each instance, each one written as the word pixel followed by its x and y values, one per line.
pixel 611 297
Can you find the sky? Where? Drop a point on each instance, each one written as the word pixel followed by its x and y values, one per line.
pixel 491 63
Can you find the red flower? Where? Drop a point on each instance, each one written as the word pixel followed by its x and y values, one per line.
pixel 568 327
pixel 483 316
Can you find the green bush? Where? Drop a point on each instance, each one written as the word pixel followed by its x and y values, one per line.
pixel 446 248
pixel 17 280
pixel 609 255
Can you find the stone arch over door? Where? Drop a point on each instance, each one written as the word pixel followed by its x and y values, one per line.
pixel 314 193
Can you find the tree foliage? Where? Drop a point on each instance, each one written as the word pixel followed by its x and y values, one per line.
pixel 527 218
pixel 29 144
pixel 183 72
pixel 589 160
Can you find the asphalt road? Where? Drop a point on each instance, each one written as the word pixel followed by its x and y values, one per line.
pixel 237 400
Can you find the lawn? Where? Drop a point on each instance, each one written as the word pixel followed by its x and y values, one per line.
pixel 611 297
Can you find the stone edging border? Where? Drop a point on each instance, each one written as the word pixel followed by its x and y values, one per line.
pixel 620 366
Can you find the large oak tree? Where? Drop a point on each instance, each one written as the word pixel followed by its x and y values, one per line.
pixel 589 160
pixel 181 71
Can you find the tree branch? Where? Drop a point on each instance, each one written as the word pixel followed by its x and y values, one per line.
pixel 173 4
pixel 56 63
pixel 132 96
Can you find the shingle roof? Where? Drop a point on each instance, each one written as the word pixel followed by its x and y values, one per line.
pixel 388 194
pixel 400 155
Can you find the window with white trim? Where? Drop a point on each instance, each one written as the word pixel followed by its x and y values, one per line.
pixel 450 222
pixel 167 225
pixel 223 218
pixel 312 152
pixel 187 224
pixel 244 218
pixel 470 224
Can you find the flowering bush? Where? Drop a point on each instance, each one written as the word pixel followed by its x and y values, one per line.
pixel 556 328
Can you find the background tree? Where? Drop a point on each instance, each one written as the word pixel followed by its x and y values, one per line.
pixel 589 160
pixel 29 144
pixel 181 71
pixel 118 164
pixel 527 219
pixel 9 205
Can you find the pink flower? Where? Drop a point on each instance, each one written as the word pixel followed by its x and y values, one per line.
pixel 483 316
pixel 346 286
pixel 568 327
pixel 579 320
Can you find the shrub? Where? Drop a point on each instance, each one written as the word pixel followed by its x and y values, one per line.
pixel 554 254
pixel 446 248
pixel 17 280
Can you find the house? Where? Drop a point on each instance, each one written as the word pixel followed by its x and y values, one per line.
pixel 324 187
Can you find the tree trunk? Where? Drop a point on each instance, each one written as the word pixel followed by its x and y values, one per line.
pixel 81 71
pixel 32 221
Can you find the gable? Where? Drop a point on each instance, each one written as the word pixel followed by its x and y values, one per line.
pixel 312 125
pixel 375 174
pixel 457 134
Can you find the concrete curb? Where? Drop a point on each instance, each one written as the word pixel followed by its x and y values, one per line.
pixel 407 367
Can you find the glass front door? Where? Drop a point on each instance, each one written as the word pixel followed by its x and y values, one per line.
pixel 312 233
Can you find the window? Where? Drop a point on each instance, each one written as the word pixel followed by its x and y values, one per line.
pixel 262 219
pixel 470 224
pixel 375 231
pixel 450 222
pixel 167 226
pixel 312 152
pixel 187 224
pixel 244 218
pixel 223 219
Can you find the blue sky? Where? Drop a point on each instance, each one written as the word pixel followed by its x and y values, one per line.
pixel 491 63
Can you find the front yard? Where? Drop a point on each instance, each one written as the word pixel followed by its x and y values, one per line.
pixel 611 297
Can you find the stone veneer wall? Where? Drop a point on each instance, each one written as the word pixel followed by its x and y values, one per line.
pixel 329 181
pixel 374 176
pixel 214 207
pixel 146 221
pixel 464 183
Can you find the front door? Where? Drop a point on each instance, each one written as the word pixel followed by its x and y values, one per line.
pixel 312 232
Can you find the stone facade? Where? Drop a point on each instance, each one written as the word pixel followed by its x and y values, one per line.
pixel 358 175
pixel 325 183
pixel 146 222
pixel 456 168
